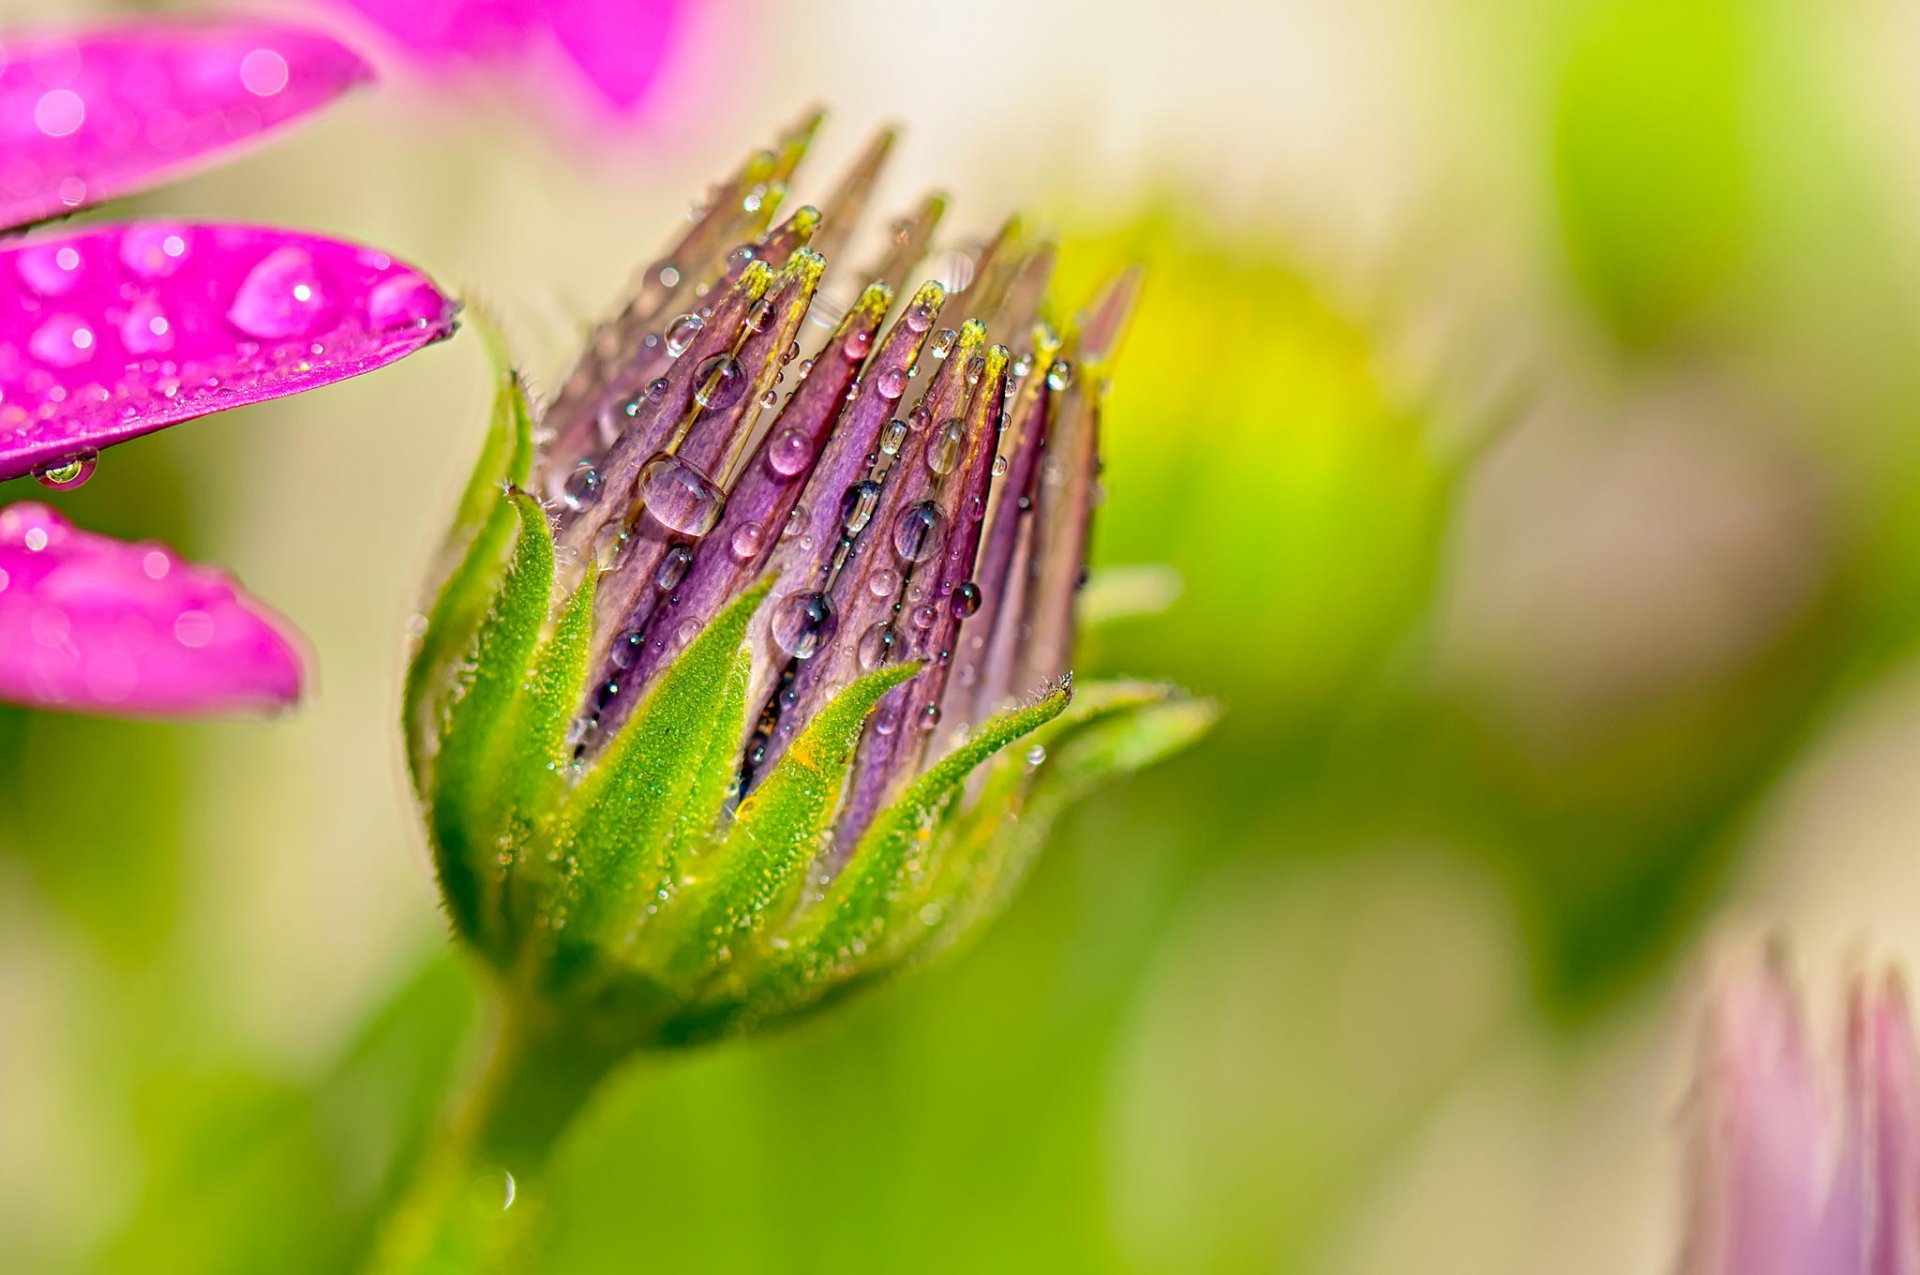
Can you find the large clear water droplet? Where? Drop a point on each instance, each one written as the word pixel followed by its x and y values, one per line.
pixel 891 383
pixel 943 449
pixel 719 382
pixel 581 485
pixel 747 539
pixel 919 532
pixel 942 343
pixel 679 496
pixel 790 452
pixel 877 645
pixel 281 297
pixel 680 333
pixel 893 436
pixel 68 472
pixel 802 623
pixel 857 505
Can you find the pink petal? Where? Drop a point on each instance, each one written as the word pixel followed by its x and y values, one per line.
pixel 93 624
pixel 619 46
pixel 87 115
pixel 1766 1142
pixel 1879 1187
pixel 116 331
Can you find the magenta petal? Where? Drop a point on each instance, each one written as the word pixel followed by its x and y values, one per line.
pixel 119 330
pixel 93 624
pixel 87 115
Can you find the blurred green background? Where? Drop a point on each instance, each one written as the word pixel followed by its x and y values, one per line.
pixel 1524 394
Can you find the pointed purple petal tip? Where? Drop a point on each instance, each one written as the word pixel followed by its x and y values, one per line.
pixel 95 113
pixel 97 625
pixel 117 331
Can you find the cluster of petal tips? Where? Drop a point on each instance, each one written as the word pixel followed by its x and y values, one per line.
pixel 1803 1168
pixel 711 714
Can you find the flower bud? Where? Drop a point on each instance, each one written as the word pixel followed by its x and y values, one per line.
pixel 713 714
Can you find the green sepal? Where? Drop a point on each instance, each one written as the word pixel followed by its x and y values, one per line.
pixel 1113 730
pixel 729 896
pixel 617 838
pixel 485 687
pixel 829 939
pixel 532 758
pixel 468 567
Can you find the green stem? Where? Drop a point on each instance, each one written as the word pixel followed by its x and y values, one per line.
pixel 469 1204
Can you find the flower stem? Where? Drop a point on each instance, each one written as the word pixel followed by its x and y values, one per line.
pixel 474 1198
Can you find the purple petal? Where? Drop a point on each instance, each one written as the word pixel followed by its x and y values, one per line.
pixel 93 624
pixel 87 115
pixel 117 331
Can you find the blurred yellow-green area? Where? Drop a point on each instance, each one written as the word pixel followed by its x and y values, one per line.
pixel 1525 395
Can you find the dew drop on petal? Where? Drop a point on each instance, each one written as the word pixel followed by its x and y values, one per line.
pixel 153 250
pixel 943 450
pixel 64 340
pixel 877 645
pixel 966 599
pixel 145 328
pixel 918 532
pixel 673 568
pixel 193 628
pixel 263 72
pixel 857 505
pixel 891 383
pixel 679 496
pixel 883 582
pixel 802 623
pixel 942 343
pixel 281 297
pixel 581 485
pixel 893 437
pixel 52 270
pixel 1060 375
pixel 790 452
pixel 680 333
pixel 69 472
pixel 406 300
pixel 719 382
pixel 746 540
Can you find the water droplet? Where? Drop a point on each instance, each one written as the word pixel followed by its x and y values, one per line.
pixel 891 383
pixel 193 628
pixel 857 504
pixel 966 599
pixel 581 485
pixel 796 522
pixel 263 72
pixel 942 343
pixel 918 532
pixel 719 382
pixel 999 466
pixel 1060 375
pixel 668 274
pixel 281 297
pixel 790 452
pixel 924 616
pixel 802 623
pixel 59 112
pixel 407 300
pixel 759 315
pixel 930 718
pixel 64 340
pixel 656 390
pixel 919 316
pixel 679 496
pixel 747 540
pixel 943 449
pixel 626 648
pixel 680 334
pixel 673 568
pixel 1036 754
pixel 69 472
pixel 883 582
pixel 52 270
pixel 145 329
pixel 877 645
pixel 976 368
pixel 153 250
pixel 858 342
pixel 893 437
pixel 609 543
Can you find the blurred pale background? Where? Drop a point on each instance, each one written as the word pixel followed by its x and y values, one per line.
pixel 1525 395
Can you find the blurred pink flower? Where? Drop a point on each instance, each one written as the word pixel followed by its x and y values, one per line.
pixel 96 624
pixel 1794 1173
pixel 115 331
pixel 609 53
